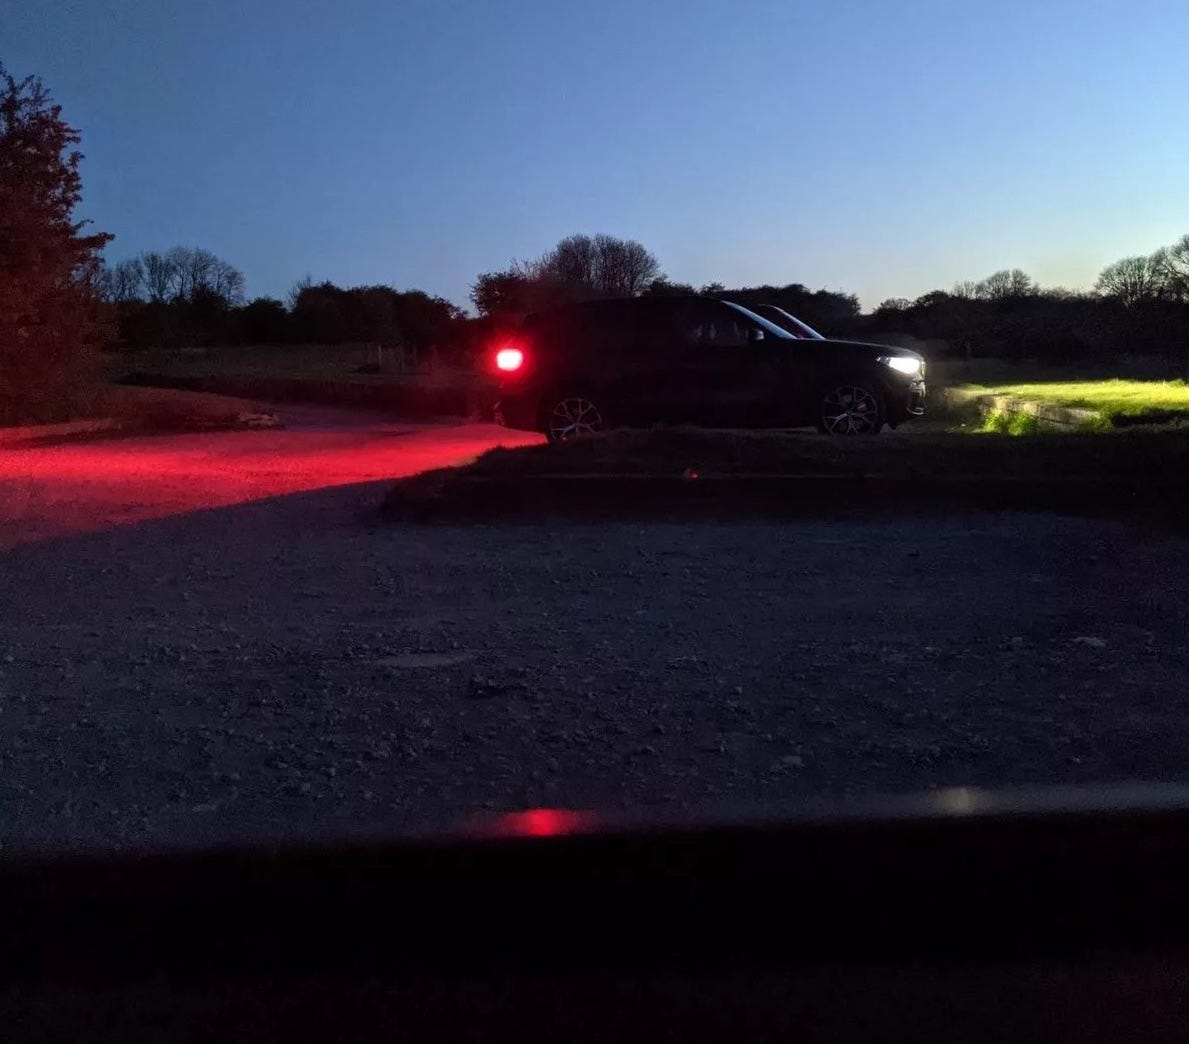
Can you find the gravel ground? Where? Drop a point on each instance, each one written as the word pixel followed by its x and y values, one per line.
pixel 290 669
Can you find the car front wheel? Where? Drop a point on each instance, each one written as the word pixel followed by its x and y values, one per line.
pixel 573 417
pixel 851 408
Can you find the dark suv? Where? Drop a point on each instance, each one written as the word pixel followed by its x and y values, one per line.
pixel 582 368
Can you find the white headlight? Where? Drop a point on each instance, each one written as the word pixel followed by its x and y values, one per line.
pixel 903 363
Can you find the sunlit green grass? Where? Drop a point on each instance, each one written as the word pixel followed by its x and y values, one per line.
pixel 1000 422
pixel 1127 400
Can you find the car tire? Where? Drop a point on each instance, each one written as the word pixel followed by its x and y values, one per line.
pixel 572 416
pixel 851 406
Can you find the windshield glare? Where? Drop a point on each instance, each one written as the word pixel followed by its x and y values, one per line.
pixel 808 330
pixel 766 324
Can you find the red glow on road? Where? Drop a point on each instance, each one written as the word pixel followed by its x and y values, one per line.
pixel 75 487
pixel 544 822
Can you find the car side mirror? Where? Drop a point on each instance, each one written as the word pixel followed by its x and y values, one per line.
pixel 754 335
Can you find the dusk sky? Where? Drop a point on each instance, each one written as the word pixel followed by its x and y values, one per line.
pixel 883 148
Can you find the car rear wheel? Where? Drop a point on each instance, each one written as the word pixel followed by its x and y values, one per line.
pixel 573 417
pixel 851 407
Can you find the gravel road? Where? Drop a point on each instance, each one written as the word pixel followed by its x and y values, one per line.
pixel 294 669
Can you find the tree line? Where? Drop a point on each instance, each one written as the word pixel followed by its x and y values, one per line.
pixel 188 297
pixel 584 267
pixel 580 267
pixel 1138 306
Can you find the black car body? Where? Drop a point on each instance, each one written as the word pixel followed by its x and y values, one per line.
pixel 635 362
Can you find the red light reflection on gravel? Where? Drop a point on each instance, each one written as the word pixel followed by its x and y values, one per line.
pixel 544 822
pixel 51 490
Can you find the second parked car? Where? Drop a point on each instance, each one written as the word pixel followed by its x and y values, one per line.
pixel 583 368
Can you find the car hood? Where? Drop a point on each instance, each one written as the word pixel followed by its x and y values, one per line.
pixel 876 349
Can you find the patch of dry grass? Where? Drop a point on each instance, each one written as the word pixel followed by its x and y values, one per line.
pixel 1134 455
pixel 172 409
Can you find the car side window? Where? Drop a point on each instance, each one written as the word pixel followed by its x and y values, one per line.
pixel 706 324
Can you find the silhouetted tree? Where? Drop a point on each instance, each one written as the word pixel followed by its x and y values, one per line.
pixel 623 268
pixel 291 298
pixel 317 315
pixel 327 314
pixel 596 266
pixel 1172 262
pixel 368 313
pixel 186 296
pixel 264 321
pixel 579 267
pixel 662 287
pixel 893 305
pixel 122 282
pixel 1005 284
pixel 196 271
pixel 160 277
pixel 51 317
pixel 190 268
pixel 425 321
pixel 831 312
pixel 1134 279
pixel 955 318
pixel 501 293
pixel 203 318
pixel 573 263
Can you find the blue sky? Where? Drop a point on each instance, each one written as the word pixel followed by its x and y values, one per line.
pixel 885 148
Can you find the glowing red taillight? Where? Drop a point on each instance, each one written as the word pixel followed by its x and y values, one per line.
pixel 509 359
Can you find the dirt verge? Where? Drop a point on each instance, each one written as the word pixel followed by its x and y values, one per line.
pixel 134 411
pixel 408 399
pixel 696 474
pixel 173 409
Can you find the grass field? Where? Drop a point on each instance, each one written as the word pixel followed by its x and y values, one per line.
pixel 1117 400
pixel 362 364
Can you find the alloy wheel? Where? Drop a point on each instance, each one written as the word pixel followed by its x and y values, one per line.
pixel 574 418
pixel 850 410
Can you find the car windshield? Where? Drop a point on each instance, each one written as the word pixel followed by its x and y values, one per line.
pixel 765 324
